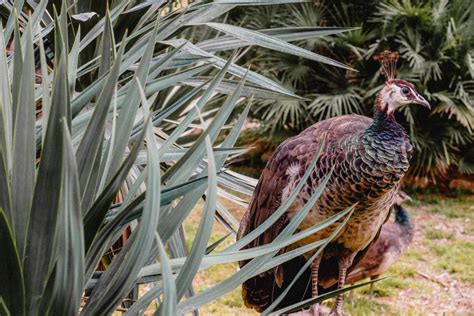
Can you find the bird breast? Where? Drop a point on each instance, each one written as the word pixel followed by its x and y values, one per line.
pixel 368 174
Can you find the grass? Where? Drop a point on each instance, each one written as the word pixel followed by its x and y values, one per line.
pixel 434 234
pixel 456 258
pixel 426 280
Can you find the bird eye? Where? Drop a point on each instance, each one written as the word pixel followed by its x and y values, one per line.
pixel 405 90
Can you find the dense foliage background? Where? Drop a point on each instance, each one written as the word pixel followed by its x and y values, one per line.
pixel 109 141
pixel 435 40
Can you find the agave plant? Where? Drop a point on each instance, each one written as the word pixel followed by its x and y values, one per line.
pixel 94 148
pixel 435 39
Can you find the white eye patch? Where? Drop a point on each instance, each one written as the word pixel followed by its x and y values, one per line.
pixel 392 98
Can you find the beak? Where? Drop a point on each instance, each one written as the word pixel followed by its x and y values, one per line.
pixel 422 101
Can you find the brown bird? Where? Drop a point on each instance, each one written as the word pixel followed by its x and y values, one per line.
pixel 392 242
pixel 369 157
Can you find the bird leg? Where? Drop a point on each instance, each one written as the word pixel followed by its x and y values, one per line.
pixel 314 283
pixel 344 263
pixel 350 296
pixel 371 286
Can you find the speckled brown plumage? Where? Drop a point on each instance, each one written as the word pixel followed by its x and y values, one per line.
pixel 368 157
pixel 393 240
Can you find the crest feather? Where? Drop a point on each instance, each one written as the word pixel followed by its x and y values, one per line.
pixel 388 61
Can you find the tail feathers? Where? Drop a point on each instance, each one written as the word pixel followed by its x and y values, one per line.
pixel 261 291
pixel 257 292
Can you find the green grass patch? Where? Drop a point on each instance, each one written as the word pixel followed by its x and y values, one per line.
pixel 403 269
pixel 455 257
pixel 450 207
pixel 436 234
pixel 360 305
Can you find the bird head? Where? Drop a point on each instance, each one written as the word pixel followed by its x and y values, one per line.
pixel 396 92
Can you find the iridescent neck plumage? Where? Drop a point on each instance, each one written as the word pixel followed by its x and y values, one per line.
pixel 402 218
pixel 385 123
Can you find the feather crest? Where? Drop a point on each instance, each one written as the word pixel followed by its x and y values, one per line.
pixel 388 61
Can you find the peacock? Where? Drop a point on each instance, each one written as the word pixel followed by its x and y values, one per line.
pixel 392 242
pixel 368 159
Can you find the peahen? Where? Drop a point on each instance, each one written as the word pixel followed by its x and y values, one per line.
pixel 369 157
pixel 392 242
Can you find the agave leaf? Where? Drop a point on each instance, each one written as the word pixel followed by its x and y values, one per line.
pixel 279 211
pixel 40 245
pixel 94 187
pixel 5 193
pixel 170 80
pixel 114 225
pixel 251 268
pixel 62 27
pixel 88 150
pixel 193 156
pixel 12 291
pixel 109 144
pixel 96 30
pixel 73 62
pixel 152 87
pixel 168 194
pixel 154 272
pixel 233 69
pixel 23 165
pixel 12 19
pixel 3 307
pixel 95 215
pixel 109 53
pixel 240 255
pixel 228 86
pixel 132 55
pixel 186 204
pixel 277 301
pixel 153 13
pixel 145 4
pixel 190 267
pixel 142 303
pixel 225 218
pixel 216 244
pixel 321 298
pixel 119 278
pixel 163 62
pixel 177 154
pixel 202 14
pixel 132 100
pixel 159 116
pixel 70 264
pixel 45 83
pixel 258 2
pixel 17 71
pixel 178 214
pixel 108 46
pixel 271 42
pixel 170 299
pixel 289 34
pixel 6 114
